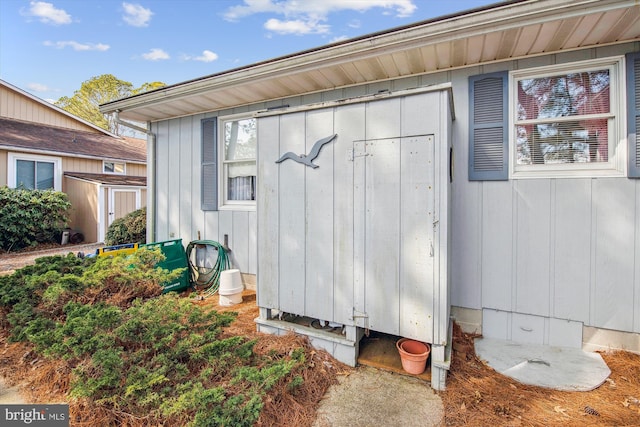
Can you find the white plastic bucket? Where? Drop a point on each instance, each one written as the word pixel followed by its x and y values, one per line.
pixel 231 287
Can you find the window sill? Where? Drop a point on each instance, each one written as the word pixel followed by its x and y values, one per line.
pixel 249 208
pixel 574 173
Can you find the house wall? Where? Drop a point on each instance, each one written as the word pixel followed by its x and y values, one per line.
pixel 75 164
pixel 560 253
pixel 3 168
pixel 84 207
pixel 14 105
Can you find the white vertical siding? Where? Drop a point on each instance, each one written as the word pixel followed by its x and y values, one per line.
pixel 350 126
pixel 292 224
pixel 532 246
pixel 614 211
pixel 567 248
pixel 268 241
pixel 320 220
pixel 496 250
pixel 572 237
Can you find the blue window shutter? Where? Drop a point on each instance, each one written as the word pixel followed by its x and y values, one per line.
pixel 209 165
pixel 633 106
pixel 488 127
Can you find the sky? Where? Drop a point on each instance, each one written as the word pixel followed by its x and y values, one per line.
pixel 49 48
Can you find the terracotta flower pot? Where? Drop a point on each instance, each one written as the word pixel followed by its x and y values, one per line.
pixel 413 355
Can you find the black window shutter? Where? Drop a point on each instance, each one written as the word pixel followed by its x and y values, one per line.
pixel 633 119
pixel 488 127
pixel 209 165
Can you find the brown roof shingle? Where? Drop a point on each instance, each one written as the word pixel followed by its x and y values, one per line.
pixel 34 136
pixel 109 179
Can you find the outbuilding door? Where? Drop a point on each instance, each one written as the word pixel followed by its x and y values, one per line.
pixel 121 202
pixel 394 235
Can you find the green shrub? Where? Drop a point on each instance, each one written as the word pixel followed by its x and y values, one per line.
pixel 131 228
pixel 28 217
pixel 157 358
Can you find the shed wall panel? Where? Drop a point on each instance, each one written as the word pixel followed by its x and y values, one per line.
pixel 319 294
pixel 292 215
pixel 382 234
pixel 417 240
pixel 350 126
pixel 268 240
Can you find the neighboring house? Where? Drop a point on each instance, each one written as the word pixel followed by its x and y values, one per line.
pixel 528 231
pixel 43 146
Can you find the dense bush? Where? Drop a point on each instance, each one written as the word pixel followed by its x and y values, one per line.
pixel 131 228
pixel 29 217
pixel 134 354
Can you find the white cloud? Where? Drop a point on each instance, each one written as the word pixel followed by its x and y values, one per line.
pixel 47 13
pixel 136 15
pixel 78 46
pixel 155 55
pixel 37 87
pixel 207 56
pixel 295 27
pixel 306 17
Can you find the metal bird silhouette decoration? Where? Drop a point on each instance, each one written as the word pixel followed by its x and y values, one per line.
pixel 307 159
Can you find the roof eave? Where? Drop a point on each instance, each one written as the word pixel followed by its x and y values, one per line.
pixel 500 17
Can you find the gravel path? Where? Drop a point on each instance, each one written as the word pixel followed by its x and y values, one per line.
pixel 13 261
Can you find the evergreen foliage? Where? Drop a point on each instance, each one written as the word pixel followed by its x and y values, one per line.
pixel 131 228
pixel 29 217
pixel 131 350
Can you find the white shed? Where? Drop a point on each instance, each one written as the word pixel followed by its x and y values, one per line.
pixel 358 237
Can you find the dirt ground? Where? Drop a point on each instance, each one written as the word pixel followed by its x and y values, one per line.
pixel 476 395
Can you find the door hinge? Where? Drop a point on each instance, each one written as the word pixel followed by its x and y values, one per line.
pixel 358 314
pixel 351 154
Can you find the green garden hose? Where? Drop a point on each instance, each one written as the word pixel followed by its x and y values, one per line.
pixel 211 276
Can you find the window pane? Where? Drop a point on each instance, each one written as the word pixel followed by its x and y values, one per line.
pixel 111 167
pixel 241 179
pixel 44 175
pixel 574 94
pixel 242 188
pixel 566 142
pixel 542 99
pixel 240 139
pixel 25 174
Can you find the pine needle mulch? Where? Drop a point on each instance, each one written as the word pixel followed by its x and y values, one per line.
pixel 476 395
pixel 46 381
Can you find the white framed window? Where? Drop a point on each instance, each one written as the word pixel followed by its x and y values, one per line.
pixel 238 167
pixel 34 172
pixel 118 168
pixel 568 120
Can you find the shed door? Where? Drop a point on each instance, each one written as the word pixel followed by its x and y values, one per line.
pixel 394 191
pixel 121 202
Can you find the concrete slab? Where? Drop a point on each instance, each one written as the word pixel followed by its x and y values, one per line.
pixel 373 397
pixel 558 368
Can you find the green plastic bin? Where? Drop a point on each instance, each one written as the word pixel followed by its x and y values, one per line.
pixel 176 258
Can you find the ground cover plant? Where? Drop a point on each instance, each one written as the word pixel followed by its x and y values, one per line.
pixel 105 339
